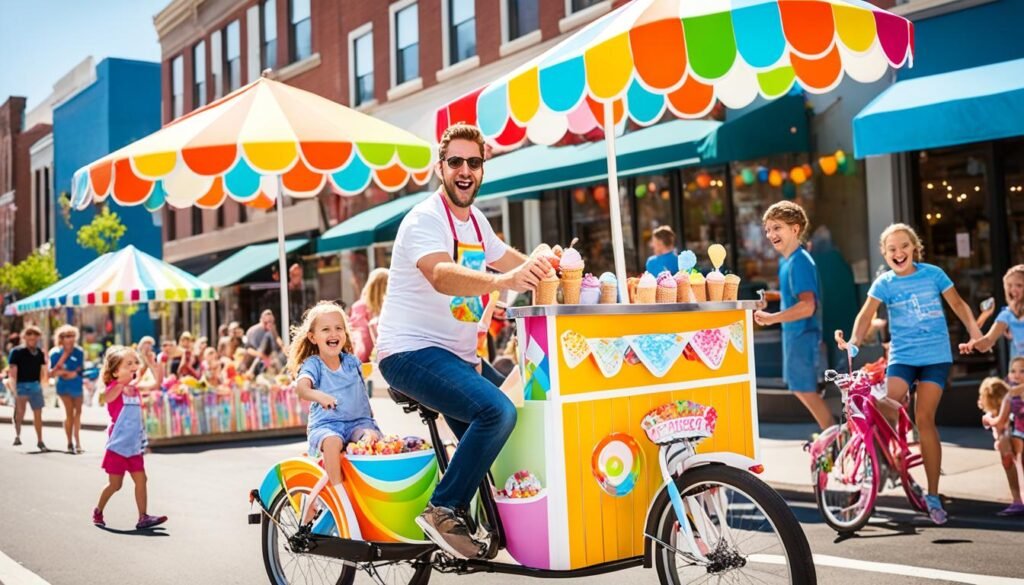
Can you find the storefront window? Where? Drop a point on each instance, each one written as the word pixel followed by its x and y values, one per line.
pixel 590 222
pixel 653 195
pixel 954 222
pixel 758 261
pixel 1013 185
pixel 704 211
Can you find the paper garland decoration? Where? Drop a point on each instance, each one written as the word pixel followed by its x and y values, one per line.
pixel 658 352
pixel 536 381
pixel 608 353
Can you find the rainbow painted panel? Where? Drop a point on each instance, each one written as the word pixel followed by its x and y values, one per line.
pixel 296 477
pixel 389 491
pixel 730 51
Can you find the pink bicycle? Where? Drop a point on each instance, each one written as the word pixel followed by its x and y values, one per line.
pixel 853 460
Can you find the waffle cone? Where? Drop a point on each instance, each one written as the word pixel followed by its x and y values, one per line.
pixel 572 274
pixel 700 294
pixel 731 291
pixel 646 295
pixel 609 294
pixel 715 290
pixel 666 294
pixel 571 289
pixel 546 292
pixel 683 294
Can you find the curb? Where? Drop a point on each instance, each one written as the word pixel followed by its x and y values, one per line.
pixel 59 424
pixel 886 500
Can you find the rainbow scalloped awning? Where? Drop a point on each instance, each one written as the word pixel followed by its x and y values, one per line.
pixel 233 146
pixel 653 56
pixel 124 277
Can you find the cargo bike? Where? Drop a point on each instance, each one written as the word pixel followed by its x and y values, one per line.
pixel 638 434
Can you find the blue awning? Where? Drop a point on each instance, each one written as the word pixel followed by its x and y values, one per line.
pixel 377 224
pixel 969 105
pixel 246 261
pixel 779 126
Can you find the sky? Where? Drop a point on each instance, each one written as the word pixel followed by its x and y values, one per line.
pixel 47 38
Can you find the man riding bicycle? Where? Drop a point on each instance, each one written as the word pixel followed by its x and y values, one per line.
pixel 438 289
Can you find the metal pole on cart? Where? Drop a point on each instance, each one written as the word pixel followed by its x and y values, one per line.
pixel 281 268
pixel 613 198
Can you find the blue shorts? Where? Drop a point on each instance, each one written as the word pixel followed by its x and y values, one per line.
pixel 800 361
pixel 73 391
pixel 343 430
pixel 933 373
pixel 33 392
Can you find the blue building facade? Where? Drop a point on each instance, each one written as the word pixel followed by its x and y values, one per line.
pixel 122 106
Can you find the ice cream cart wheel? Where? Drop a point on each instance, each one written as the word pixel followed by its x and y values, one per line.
pixel 285 566
pixel 739 525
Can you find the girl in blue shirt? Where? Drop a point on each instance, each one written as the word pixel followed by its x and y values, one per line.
pixel 67 362
pixel 920 348
pixel 329 376
pixel 1011 318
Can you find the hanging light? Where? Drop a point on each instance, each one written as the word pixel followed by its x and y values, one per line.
pixel 930 186
pixel 797 175
pixel 775 178
pixel 828 165
pixel 762 174
pixel 703 180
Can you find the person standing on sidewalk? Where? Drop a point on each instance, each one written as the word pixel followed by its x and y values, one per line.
pixel 438 288
pixel 28 373
pixel 785 224
pixel 663 244
pixel 67 361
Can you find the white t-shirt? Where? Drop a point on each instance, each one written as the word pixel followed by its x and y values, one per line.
pixel 416 316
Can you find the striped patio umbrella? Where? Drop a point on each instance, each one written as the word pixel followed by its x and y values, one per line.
pixel 263 139
pixel 124 277
pixel 681 56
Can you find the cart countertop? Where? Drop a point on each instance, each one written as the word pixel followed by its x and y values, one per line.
pixel 625 309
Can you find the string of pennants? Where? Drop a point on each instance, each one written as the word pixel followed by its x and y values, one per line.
pixel 658 352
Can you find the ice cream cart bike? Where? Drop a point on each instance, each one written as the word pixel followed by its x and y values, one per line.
pixel 635 446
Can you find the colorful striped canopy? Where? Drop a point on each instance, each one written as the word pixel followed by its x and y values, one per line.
pixel 232 147
pixel 125 277
pixel 650 56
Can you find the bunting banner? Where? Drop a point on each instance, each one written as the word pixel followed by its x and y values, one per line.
pixel 658 352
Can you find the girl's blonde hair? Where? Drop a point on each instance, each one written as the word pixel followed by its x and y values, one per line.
pixel 65 330
pixel 112 360
pixel 302 347
pixel 914 239
pixel 375 289
pixel 1017 270
pixel 991 394
pixel 185 335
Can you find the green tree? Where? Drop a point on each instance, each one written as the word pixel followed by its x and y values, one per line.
pixel 103 232
pixel 32 274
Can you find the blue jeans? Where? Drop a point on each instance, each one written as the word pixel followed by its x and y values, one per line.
pixel 476 410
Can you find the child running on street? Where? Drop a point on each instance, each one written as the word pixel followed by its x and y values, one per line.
pixel 919 353
pixel 126 439
pixel 330 376
pixel 998 402
pixel 785 224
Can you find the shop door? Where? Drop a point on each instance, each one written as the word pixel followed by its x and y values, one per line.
pixel 955 221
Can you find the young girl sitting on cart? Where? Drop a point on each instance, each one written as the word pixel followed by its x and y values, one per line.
pixel 330 376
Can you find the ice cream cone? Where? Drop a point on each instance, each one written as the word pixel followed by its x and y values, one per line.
pixel 732 288
pixel 631 283
pixel 609 293
pixel 571 287
pixel 646 295
pixel 715 289
pixel 546 292
pixel 683 294
pixel 666 295
pixel 700 294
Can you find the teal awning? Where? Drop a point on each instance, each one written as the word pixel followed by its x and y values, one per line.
pixel 958 107
pixel 778 127
pixel 377 224
pixel 246 261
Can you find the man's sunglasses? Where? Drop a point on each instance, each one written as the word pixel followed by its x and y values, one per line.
pixel 455 162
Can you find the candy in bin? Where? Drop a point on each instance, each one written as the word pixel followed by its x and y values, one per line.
pixel 521 484
pixel 389 445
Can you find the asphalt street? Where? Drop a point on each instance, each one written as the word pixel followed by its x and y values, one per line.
pixel 45 526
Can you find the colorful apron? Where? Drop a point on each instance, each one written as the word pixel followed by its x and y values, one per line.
pixel 471 309
pixel 127 437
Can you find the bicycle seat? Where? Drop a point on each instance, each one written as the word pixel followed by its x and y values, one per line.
pixel 400 398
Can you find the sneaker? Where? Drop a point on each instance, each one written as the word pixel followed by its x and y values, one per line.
pixel 935 511
pixel 97 517
pixel 17 441
pixel 42 447
pixel 450 532
pixel 148 521
pixel 1014 509
pixel 481 534
pixel 71 449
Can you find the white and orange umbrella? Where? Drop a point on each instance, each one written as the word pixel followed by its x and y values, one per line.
pixel 263 140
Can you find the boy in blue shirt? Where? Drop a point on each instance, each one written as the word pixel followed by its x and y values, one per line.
pixel 785 224
pixel 663 244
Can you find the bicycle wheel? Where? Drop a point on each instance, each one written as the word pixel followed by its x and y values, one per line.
pixel 742 527
pixel 285 567
pixel 846 490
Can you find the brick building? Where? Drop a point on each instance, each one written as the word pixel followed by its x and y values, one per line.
pixel 16 237
pixel 398 61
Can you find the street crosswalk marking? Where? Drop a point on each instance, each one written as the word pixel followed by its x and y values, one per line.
pixel 893 569
pixel 12 573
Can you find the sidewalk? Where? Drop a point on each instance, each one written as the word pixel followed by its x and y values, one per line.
pixel 971 469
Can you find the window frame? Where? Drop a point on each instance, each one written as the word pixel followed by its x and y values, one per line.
pixel 448 42
pixel 268 60
pixel 199 87
pixel 393 10
pixel 353 64
pixel 293 47
pixel 226 73
pixel 507 20
pixel 177 106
